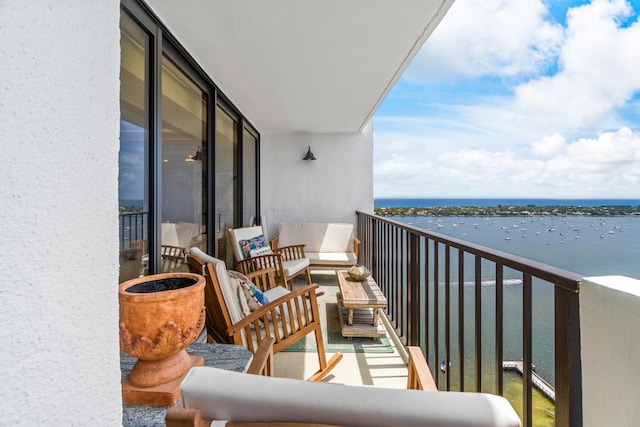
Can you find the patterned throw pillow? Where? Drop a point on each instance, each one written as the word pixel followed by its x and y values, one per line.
pixel 255 246
pixel 239 295
pixel 252 297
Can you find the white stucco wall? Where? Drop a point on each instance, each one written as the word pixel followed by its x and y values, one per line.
pixel 59 130
pixel 329 189
pixel 610 334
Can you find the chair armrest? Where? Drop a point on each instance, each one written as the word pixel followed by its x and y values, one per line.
pixel 184 417
pixel 291 312
pixel 274 243
pixel 262 363
pixel 356 248
pixel 419 376
pixel 292 252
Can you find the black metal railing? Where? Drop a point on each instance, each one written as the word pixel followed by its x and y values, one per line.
pixel 132 227
pixel 421 272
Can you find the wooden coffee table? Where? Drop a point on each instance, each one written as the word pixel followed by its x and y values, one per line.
pixel 359 302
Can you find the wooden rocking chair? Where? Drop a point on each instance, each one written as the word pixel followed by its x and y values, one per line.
pixel 288 317
pixel 252 253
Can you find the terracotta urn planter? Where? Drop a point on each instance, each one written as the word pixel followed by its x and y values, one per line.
pixel 160 316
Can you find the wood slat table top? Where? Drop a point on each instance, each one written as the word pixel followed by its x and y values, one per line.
pixel 360 294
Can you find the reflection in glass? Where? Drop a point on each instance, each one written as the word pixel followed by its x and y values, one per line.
pixel 184 166
pixel 249 171
pixel 133 185
pixel 226 180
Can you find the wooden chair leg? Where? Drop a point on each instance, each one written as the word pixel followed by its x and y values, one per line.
pixel 307 273
pixel 325 367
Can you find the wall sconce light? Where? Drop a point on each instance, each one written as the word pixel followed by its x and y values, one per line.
pixel 194 157
pixel 309 155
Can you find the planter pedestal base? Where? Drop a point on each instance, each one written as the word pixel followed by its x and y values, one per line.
pixel 166 394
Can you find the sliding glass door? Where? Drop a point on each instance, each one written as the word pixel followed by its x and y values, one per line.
pixel 184 165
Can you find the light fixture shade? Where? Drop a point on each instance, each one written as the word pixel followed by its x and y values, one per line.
pixel 194 157
pixel 309 155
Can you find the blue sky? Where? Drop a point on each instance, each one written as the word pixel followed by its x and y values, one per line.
pixel 517 98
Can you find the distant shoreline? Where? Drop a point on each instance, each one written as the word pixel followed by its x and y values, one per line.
pixel 510 210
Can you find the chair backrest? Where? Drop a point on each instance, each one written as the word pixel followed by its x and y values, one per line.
pixel 215 272
pixel 172 258
pixel 217 316
pixel 248 242
pixel 139 244
pixel 317 237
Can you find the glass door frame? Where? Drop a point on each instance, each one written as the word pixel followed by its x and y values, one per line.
pixel 162 42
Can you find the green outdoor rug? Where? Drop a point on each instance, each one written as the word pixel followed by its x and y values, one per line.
pixel 334 341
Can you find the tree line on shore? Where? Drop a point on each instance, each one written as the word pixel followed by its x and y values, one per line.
pixel 509 210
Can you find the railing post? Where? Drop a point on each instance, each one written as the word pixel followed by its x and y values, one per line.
pixel 567 358
pixel 527 351
pixel 413 294
pixel 499 329
pixel 478 322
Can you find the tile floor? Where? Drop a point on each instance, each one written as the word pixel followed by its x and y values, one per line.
pixel 376 369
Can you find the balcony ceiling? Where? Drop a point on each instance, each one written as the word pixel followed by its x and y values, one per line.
pixel 318 66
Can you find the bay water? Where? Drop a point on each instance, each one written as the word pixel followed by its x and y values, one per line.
pixel 588 245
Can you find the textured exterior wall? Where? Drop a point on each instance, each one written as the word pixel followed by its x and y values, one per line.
pixel 610 333
pixel 329 189
pixel 59 104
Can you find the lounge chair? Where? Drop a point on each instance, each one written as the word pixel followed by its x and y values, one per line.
pixel 287 317
pixel 252 252
pixel 238 400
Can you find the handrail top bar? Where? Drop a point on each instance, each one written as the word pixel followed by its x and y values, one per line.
pixel 565 279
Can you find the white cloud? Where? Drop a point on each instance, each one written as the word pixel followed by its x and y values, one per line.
pixel 548 136
pixel 548 145
pixel 482 37
pixel 599 65
pixel 607 166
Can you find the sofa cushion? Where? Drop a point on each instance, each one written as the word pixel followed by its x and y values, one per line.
pixel 294 265
pixel 226 395
pixel 317 237
pixel 332 258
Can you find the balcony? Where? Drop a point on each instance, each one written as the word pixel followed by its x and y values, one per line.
pixel 470 330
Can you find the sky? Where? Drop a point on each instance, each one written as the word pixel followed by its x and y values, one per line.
pixel 517 99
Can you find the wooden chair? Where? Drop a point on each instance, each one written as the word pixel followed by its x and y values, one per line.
pixel 289 261
pixel 288 317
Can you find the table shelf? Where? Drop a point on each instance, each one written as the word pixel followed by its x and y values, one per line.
pixel 362 322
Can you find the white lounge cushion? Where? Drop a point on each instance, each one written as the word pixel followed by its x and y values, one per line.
pixel 233 396
pixel 294 266
pixel 332 258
